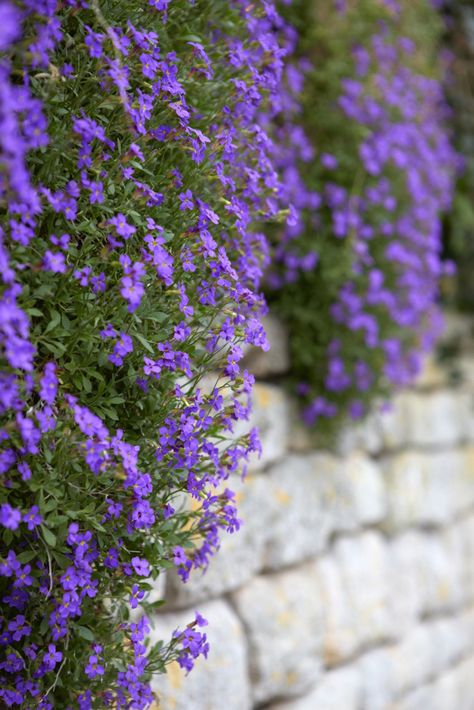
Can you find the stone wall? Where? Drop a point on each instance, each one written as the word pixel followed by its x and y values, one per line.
pixel 351 583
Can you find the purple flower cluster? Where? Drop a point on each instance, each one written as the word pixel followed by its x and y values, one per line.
pixel 358 264
pixel 135 176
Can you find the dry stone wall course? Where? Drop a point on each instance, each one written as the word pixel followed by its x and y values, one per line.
pixel 351 583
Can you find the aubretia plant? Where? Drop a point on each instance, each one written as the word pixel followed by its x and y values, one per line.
pixel 134 173
pixel 369 168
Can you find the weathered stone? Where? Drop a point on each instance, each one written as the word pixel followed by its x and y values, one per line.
pixel 466 403
pixel 367 489
pixel 419 699
pixel 339 622
pixel 420 488
pixel 353 491
pixel 446 691
pixel 271 416
pixel 338 690
pixel 441 584
pixel 240 555
pixel 282 616
pixel 435 419
pixel 465 683
pixel 391 420
pixel 450 640
pixel 377 674
pixel 412 660
pixel 222 675
pixel 367 578
pixel 300 519
pixel 316 495
pixel 408 591
pixel 276 360
pixel 466 528
pixel 365 435
pixel 465 485
pixel 465 369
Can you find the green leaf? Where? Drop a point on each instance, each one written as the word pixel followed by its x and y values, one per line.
pixel 49 537
pixel 85 633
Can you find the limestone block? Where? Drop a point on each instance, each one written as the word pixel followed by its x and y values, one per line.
pixel 392 422
pixel 419 699
pixel 465 481
pixel 240 555
pixel 365 435
pixel 465 682
pixel 367 487
pixel 316 495
pixel 442 587
pixel 446 691
pixel 300 519
pixel 465 367
pixel 222 675
pixel 435 419
pixel 420 488
pixel 378 679
pixel 454 543
pixel 408 591
pixel 270 414
pixel 282 614
pixel 275 361
pixel 412 660
pixel 450 638
pixel 339 623
pixel 338 690
pixel 466 528
pixel 466 401
pixel 366 575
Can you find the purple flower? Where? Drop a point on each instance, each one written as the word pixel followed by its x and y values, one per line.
pixel 94 668
pixel 49 384
pixel 122 227
pixel 55 262
pixel 19 627
pixel 9 517
pixel 51 658
pixel 141 566
pixel 186 199
pixel 32 518
pixel 136 596
pixel 10 24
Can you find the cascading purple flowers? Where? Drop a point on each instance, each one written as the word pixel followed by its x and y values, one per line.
pixel 368 172
pixel 135 176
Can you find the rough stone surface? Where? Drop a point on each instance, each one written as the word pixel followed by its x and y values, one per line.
pixel 338 690
pixel 378 678
pixel 434 419
pixel 241 555
pixel 339 622
pixel 282 615
pixel 297 486
pixel 222 675
pixel 366 573
pixel 408 591
pixel 423 489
